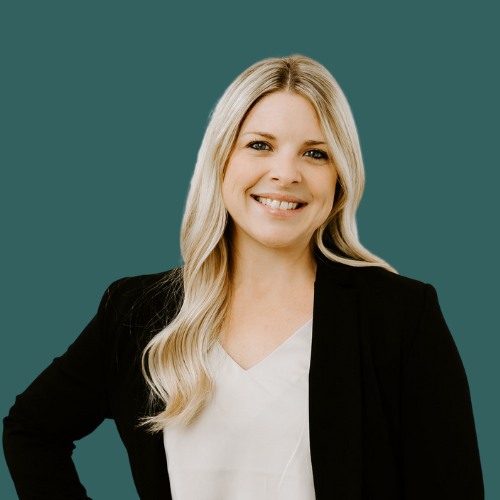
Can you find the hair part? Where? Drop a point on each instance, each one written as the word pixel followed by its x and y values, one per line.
pixel 175 361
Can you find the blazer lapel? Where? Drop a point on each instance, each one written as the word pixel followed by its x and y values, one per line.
pixel 335 385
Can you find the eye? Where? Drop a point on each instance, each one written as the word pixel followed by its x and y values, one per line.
pixel 263 146
pixel 323 156
pixel 259 143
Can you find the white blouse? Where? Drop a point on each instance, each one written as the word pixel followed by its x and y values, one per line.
pixel 252 440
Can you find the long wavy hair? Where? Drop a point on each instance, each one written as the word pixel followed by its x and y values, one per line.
pixel 174 362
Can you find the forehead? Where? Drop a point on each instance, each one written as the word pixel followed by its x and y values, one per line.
pixel 280 111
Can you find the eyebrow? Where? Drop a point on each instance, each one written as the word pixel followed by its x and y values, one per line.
pixel 272 138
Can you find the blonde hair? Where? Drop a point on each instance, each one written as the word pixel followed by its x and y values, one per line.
pixel 178 374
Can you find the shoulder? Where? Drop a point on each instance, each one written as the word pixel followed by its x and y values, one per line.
pixel 396 307
pixel 135 308
pixel 134 286
pixel 376 279
pixel 397 303
pixel 141 296
pixel 397 295
pixel 383 297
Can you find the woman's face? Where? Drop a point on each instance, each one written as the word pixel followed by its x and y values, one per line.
pixel 280 155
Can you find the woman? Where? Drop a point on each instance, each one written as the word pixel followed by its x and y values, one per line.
pixel 283 359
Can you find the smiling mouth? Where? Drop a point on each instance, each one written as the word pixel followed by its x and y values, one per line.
pixel 278 204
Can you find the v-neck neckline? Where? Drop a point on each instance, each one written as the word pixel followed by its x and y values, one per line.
pixel 280 347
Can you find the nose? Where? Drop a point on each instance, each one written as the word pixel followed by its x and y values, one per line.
pixel 285 169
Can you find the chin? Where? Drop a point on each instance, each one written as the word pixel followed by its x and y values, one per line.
pixel 276 242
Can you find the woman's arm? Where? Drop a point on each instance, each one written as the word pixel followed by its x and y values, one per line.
pixel 66 402
pixel 440 454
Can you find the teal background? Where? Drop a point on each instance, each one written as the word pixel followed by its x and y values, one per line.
pixel 103 109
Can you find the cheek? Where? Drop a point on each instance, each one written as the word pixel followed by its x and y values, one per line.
pixel 230 177
pixel 241 175
pixel 324 187
pixel 233 185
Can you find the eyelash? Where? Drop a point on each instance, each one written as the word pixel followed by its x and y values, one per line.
pixel 325 156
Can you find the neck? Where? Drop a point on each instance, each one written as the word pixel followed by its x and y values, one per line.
pixel 266 271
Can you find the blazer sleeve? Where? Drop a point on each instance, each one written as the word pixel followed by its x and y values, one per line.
pixel 66 402
pixel 440 454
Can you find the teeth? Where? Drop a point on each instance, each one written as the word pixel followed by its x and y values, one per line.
pixel 282 205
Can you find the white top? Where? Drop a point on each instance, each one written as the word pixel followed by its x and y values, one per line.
pixel 252 440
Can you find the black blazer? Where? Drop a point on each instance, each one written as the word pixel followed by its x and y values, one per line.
pixel 389 403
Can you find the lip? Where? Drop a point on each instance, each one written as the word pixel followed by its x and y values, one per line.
pixel 278 213
pixel 280 197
